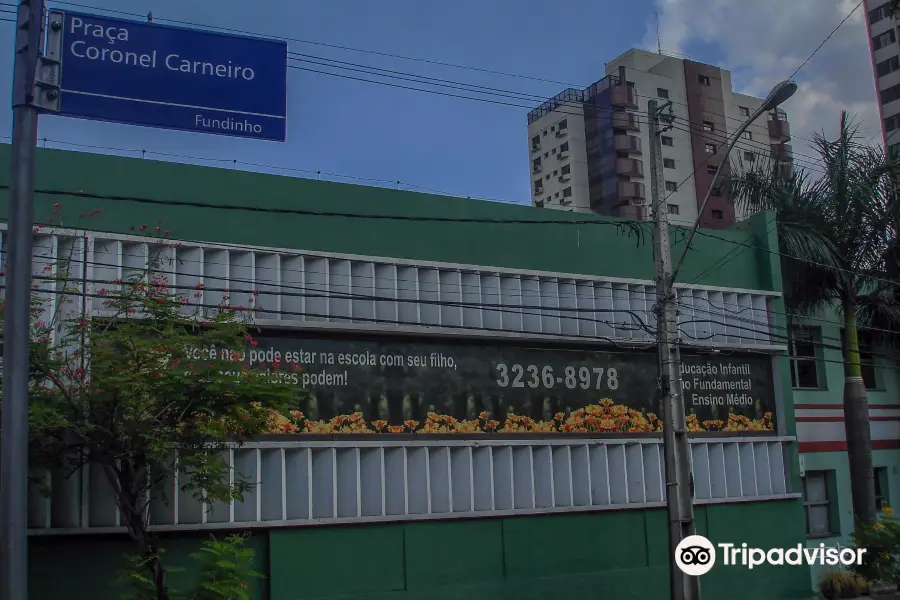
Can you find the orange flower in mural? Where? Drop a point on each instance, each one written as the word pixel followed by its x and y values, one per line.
pixel 603 417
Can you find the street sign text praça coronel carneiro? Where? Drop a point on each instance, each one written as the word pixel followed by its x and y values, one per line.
pixel 171 77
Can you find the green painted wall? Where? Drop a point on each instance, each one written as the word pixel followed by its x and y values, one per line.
pixel 585 249
pixel 620 555
pixel 617 555
pixel 836 462
pixel 608 554
pixel 831 377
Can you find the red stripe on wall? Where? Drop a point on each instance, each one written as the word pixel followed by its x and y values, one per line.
pixel 838 446
pixel 838 419
pixel 841 406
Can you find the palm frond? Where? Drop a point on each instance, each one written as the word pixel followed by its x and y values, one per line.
pixel 837 234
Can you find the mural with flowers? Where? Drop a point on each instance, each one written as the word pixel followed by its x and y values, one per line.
pixel 351 386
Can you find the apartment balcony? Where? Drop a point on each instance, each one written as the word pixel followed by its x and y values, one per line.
pixel 624 96
pixel 630 167
pixel 627 143
pixel 631 190
pixel 779 128
pixel 624 120
pixel 782 152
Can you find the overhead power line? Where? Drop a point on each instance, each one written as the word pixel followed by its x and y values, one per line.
pixel 636 227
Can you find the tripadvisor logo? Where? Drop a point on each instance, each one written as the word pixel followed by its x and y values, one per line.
pixel 695 555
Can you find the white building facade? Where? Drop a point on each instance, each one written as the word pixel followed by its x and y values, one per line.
pixel 882 28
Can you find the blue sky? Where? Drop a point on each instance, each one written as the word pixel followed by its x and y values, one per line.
pixel 456 146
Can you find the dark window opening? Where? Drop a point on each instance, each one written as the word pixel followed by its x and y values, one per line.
pixel 817 502
pixel 804 359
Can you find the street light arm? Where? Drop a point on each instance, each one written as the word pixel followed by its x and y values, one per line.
pixel 712 185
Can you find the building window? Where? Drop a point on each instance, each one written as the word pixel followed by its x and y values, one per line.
pixel 747 135
pixel 564 147
pixel 567 193
pixel 708 126
pixel 885 39
pixel 662 93
pixel 718 215
pixel 553 151
pixel 818 498
pixel 671 186
pixel 667 141
pixel 895 150
pixel 536 142
pixel 553 128
pixel 545 133
pixel 890 94
pixel 565 170
pixel 703 79
pixel 877 14
pixel 629 84
pixel 804 359
pixel 673 209
pixel 866 357
pixel 556 172
pixel 745 112
pixel 710 148
pixel 716 191
pixel 536 164
pixel 891 123
pixel 711 169
pixel 564 124
pixel 881 488
pixel 749 156
pixel 546 155
pixel 669 163
pixel 538 185
pixel 887 66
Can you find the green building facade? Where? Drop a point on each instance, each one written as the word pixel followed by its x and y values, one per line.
pixel 818 381
pixel 569 515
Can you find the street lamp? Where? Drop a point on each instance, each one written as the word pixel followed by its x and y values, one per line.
pixel 679 495
pixel 779 94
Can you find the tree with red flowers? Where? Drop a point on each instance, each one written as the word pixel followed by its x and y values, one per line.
pixel 150 384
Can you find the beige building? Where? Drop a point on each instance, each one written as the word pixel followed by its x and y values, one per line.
pixel 588 148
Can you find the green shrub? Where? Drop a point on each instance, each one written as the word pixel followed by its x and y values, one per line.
pixel 842 584
pixel 223 568
pixel 882 544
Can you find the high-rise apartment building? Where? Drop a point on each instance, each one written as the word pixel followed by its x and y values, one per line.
pixel 882 27
pixel 589 148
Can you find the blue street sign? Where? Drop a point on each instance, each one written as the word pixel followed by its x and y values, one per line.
pixel 172 77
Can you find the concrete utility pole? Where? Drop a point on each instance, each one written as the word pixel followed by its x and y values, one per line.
pixel 26 98
pixel 679 501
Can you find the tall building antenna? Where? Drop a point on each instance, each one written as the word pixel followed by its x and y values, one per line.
pixel 658 43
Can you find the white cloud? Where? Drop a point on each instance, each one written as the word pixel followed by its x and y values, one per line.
pixel 765 41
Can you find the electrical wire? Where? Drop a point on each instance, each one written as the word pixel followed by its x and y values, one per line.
pixel 422 287
pixel 542 98
pixel 518 311
pixel 313 43
pixel 636 227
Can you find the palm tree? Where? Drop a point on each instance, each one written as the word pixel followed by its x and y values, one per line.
pixel 836 233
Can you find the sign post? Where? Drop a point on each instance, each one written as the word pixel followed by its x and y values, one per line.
pixel 17 309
